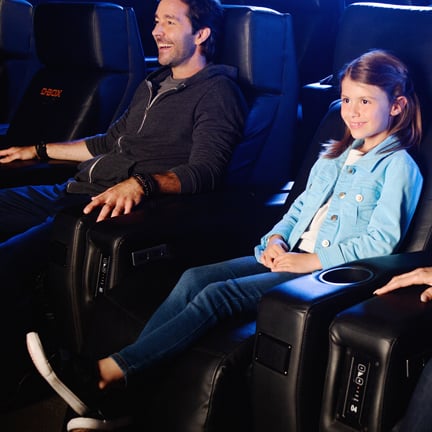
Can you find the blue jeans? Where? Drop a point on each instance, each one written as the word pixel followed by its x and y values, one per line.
pixel 26 215
pixel 203 297
pixel 418 417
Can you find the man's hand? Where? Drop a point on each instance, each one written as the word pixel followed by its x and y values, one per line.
pixel 419 276
pixel 117 200
pixel 17 153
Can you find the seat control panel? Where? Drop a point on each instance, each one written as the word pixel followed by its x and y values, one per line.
pixel 352 406
pixel 144 256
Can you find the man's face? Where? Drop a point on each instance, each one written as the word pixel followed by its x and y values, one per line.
pixel 173 33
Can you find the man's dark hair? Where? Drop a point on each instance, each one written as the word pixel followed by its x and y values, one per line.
pixel 206 13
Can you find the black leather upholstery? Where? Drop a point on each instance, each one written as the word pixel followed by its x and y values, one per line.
pixel 377 351
pixel 380 23
pixel 315 24
pixel 154 244
pixel 17 57
pixel 297 314
pixel 266 157
pixel 179 223
pixel 92 61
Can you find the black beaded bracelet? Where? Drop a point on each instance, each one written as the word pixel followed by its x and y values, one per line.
pixel 41 151
pixel 147 182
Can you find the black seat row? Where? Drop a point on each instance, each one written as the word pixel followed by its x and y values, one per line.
pixel 283 363
pixel 107 278
pixel 364 382
pixel 89 62
pixel 262 162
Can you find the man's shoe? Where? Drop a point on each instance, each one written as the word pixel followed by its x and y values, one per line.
pixel 75 381
pixel 79 424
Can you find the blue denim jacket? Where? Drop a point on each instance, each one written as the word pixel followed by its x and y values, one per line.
pixel 372 204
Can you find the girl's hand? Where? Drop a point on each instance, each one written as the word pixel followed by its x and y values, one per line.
pixel 296 263
pixel 275 246
pixel 419 276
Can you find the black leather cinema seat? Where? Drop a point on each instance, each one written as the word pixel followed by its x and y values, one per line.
pixel 315 24
pixel 378 349
pixel 291 348
pixel 117 271
pixel 17 57
pixel 177 224
pixel 92 61
pixel 316 96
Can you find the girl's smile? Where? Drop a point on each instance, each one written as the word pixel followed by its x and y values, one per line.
pixel 367 111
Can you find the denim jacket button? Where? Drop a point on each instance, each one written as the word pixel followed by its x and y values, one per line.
pixel 334 218
pixel 359 197
pixel 342 195
pixel 325 243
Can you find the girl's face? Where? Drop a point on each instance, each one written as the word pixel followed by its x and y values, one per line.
pixel 367 112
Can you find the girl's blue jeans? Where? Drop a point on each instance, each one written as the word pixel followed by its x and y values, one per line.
pixel 203 297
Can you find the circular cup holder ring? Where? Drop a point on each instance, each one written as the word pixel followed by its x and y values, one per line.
pixel 346 275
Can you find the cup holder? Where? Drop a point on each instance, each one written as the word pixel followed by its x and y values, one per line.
pixel 346 275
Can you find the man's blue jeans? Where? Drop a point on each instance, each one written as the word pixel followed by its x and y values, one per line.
pixel 202 297
pixel 26 215
pixel 418 417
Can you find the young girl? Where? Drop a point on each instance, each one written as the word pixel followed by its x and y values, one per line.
pixel 358 203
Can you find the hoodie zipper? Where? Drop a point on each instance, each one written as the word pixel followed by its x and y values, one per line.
pixel 93 167
pixel 150 103
pixel 158 96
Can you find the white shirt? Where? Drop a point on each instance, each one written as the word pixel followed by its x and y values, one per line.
pixel 308 238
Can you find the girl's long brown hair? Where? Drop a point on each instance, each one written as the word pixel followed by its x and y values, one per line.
pixel 384 70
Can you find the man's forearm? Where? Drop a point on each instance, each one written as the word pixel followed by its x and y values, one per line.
pixel 73 150
pixel 167 183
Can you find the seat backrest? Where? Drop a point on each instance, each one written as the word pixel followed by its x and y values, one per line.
pixel 315 24
pixel 299 312
pixel 17 56
pixel 92 61
pixel 144 12
pixel 383 22
pixel 395 2
pixel 259 42
pixel 414 48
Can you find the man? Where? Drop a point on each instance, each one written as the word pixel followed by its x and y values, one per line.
pixel 176 137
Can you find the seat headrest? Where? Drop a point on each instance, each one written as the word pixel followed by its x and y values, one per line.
pixel 90 35
pixel 252 40
pixel 291 6
pixel 15 14
pixel 312 6
pixel 406 31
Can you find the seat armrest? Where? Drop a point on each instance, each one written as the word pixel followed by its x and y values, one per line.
pixel 154 243
pixel 291 351
pixel 190 230
pixel 377 351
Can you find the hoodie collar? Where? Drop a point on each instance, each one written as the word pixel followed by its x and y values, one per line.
pixel 207 72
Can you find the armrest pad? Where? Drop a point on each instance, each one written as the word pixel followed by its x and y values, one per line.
pixel 297 315
pixel 377 351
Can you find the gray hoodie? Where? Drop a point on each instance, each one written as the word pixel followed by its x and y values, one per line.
pixel 190 130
